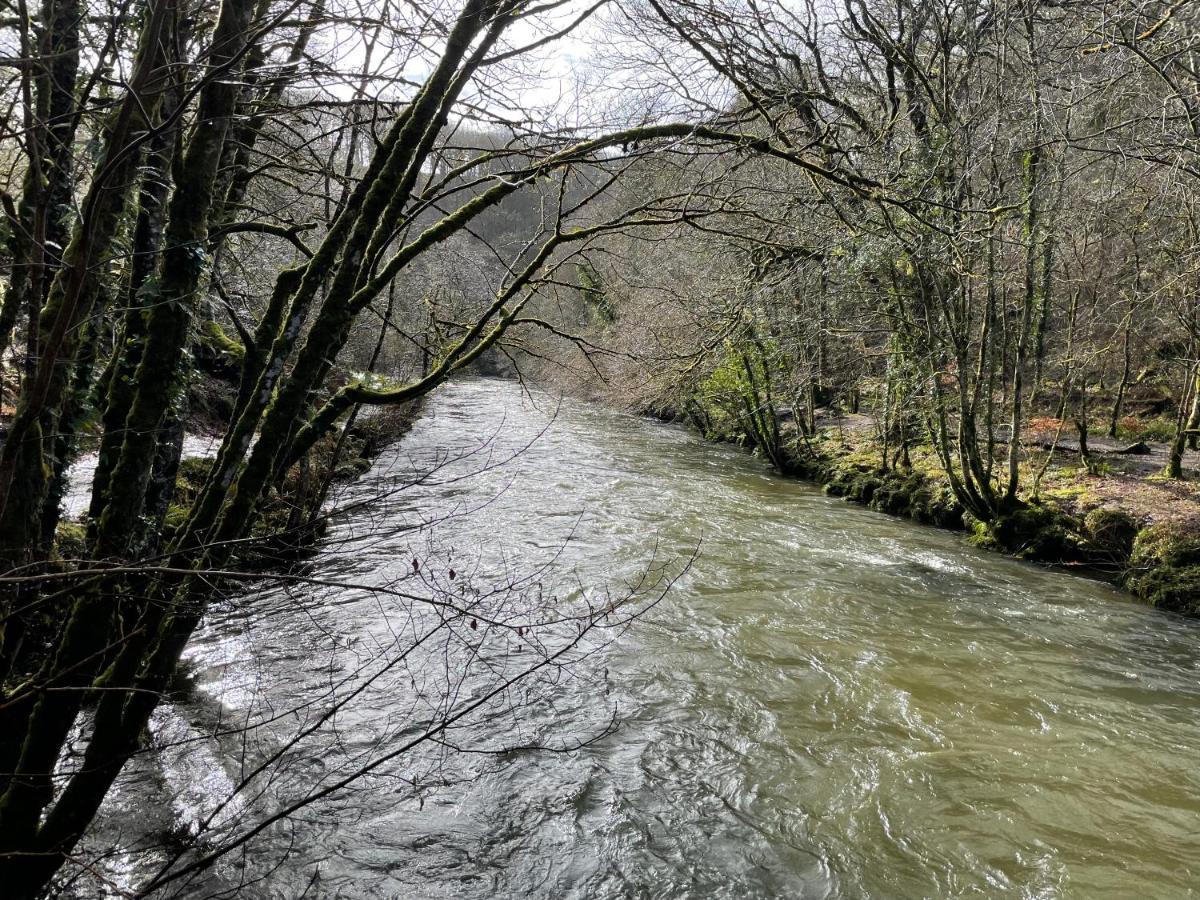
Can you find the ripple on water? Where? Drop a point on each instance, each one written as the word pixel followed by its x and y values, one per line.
pixel 831 703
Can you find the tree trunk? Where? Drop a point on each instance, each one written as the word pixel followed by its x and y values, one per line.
pixel 73 294
pixel 1175 453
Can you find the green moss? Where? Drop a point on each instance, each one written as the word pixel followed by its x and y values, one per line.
pixel 218 355
pixel 1076 494
pixel 931 503
pixel 1111 532
pixel 981 535
pixel 908 494
pixel 1172 544
pixel 214 336
pixel 189 480
pixel 1038 532
pixel 70 541
pixel 1168 587
pixel 1164 567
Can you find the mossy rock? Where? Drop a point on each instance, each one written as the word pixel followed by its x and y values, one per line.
pixel 891 496
pixel 800 462
pixel 1175 588
pixel 1035 532
pixel 1111 532
pixel 1164 567
pixel 70 541
pixel 862 488
pixel 1171 544
pixel 922 505
pixel 944 508
pixel 840 482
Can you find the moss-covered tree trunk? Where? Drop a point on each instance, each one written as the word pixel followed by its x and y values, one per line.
pixel 41 225
pixel 1193 422
pixel 337 265
pixel 175 291
pixel 1123 382
pixel 116 388
pixel 1032 223
pixel 37 717
pixel 1191 385
pixel 25 466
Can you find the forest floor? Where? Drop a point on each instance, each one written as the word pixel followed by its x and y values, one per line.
pixel 1134 483
pixel 1131 482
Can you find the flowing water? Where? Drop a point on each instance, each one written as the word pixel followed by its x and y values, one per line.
pixel 828 703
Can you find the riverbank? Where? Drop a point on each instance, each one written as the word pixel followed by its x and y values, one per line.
pixel 1117 518
pixel 292 517
pixel 295 514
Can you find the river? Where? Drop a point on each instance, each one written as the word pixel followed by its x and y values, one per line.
pixel 827 703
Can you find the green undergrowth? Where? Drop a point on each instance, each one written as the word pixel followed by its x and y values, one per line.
pixel 70 542
pixel 1038 532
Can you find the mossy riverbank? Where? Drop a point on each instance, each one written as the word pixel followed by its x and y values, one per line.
pixel 1158 562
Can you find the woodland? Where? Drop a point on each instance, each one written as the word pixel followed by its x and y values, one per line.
pixel 943 257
